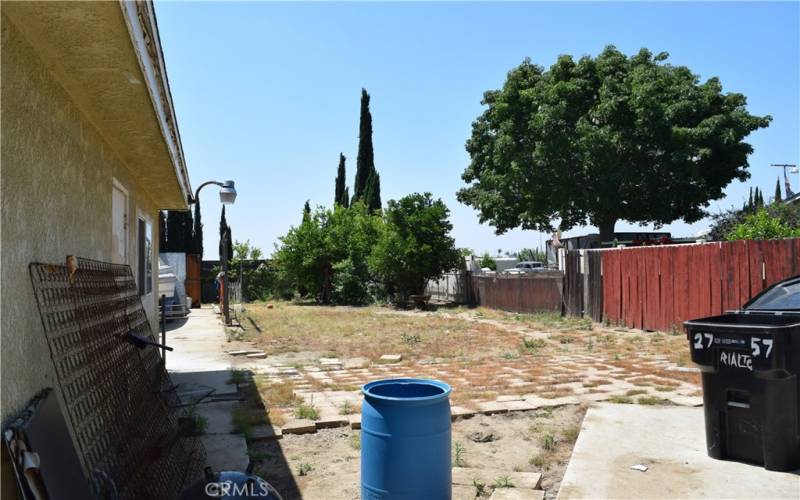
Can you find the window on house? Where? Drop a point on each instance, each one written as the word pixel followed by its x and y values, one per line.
pixel 145 252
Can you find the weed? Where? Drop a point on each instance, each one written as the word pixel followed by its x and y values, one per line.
pixel 565 339
pixel 548 442
pixel 355 441
pixel 304 469
pixel 635 392
pixel 480 488
pixel 532 345
pixel 503 482
pixel 590 345
pixel 681 361
pixel 458 454
pixel 347 408
pixel 410 339
pixel 510 355
pixel 650 400
pixel 571 433
pixel 306 411
pixel 541 460
pixel 621 400
pixel 276 393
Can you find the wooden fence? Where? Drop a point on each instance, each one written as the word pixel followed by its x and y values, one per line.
pixel 525 293
pixel 657 288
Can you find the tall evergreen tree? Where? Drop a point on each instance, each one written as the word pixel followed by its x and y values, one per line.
pixel 179 231
pixel 372 195
pixel 306 211
pixel 341 179
pixel 365 162
pixel 346 197
pixel 223 231
pixel 751 202
pixel 759 199
pixel 162 231
pixel 778 197
pixel 197 231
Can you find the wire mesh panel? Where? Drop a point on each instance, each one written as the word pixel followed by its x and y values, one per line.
pixel 119 400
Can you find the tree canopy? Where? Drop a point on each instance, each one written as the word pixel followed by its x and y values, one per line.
pixel 605 139
pixel 415 245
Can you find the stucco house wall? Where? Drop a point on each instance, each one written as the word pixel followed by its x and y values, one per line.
pixel 56 188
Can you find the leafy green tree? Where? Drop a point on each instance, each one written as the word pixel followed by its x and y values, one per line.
pixel 488 262
pixel 605 139
pixel 762 226
pixel 415 244
pixel 259 277
pixel 197 231
pixel 778 195
pixel 365 161
pixel 303 257
pixel 532 254
pixel 341 196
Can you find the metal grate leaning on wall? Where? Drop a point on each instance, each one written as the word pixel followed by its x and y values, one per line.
pixel 120 403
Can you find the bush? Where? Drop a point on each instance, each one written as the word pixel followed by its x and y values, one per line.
pixel 488 261
pixel 350 283
pixel 415 245
pixel 763 225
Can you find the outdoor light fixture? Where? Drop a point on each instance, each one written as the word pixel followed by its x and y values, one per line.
pixel 227 195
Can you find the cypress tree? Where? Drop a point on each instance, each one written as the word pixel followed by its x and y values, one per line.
pixel 778 196
pixel 365 162
pixel 197 231
pixel 339 195
pixel 750 204
pixel 346 197
pixel 162 231
pixel 306 211
pixel 759 198
pixel 223 228
pixel 179 231
pixel 372 195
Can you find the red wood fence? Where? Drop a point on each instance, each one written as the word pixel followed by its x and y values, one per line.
pixel 656 288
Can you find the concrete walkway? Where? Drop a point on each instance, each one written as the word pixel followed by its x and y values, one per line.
pixel 670 442
pixel 199 365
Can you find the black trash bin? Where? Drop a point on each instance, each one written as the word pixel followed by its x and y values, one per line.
pixel 750 361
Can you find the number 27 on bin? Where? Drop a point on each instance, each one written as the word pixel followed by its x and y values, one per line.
pixel 756 344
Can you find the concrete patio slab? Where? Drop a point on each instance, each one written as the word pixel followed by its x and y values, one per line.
pixel 516 494
pixel 670 441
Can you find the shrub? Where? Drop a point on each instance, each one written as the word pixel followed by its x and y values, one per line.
pixel 764 225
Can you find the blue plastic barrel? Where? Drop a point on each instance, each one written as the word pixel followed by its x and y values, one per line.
pixel 405 440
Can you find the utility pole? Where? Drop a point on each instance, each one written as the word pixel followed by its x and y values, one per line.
pixel 792 169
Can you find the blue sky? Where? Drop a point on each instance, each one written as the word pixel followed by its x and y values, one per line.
pixel 267 94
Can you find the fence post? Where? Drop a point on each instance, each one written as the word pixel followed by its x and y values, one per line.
pixel 164 330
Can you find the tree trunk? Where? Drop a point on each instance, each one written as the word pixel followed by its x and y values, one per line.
pixel 607 230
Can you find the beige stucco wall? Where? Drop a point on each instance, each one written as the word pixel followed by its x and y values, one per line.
pixel 56 184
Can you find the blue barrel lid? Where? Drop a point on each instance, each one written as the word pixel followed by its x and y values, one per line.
pixel 406 389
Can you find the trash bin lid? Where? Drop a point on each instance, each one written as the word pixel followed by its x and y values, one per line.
pixel 782 296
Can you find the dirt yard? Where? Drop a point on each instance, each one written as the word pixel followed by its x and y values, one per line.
pixel 542 369
pixel 537 441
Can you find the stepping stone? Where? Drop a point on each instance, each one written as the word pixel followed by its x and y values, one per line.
pixel 461 492
pixel 355 421
pixel 263 432
pixel 516 494
pixel 244 352
pixel 492 407
pixel 460 411
pixel 506 399
pixel 391 358
pixel 256 355
pixel 329 361
pixel 687 400
pixel 300 426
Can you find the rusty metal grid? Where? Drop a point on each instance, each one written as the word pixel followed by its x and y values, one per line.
pixel 119 399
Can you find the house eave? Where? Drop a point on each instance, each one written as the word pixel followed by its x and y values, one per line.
pixel 107 57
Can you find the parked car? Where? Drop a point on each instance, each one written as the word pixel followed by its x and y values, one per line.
pixel 525 267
